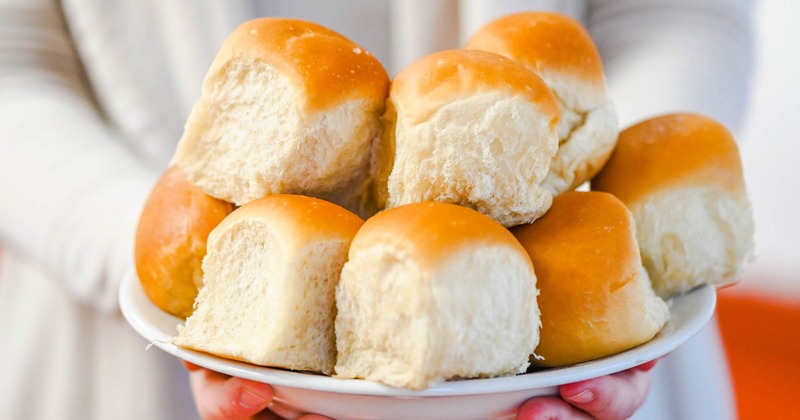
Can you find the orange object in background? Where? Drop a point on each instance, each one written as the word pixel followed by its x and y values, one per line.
pixel 762 339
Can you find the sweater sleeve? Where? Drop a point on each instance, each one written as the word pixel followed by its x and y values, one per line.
pixel 71 192
pixel 665 56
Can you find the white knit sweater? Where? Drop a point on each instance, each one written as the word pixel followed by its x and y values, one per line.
pixel 93 95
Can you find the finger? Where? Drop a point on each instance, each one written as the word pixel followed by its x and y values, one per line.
pixel 191 367
pixel 615 396
pixel 553 408
pixel 647 366
pixel 219 396
pixel 269 415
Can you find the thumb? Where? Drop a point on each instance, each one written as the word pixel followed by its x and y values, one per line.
pixel 219 396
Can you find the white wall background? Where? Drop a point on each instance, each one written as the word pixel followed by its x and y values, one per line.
pixel 770 147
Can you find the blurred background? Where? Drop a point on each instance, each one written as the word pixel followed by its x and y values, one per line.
pixel 760 317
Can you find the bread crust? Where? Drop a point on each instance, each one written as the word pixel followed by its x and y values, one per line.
pixel 452 120
pixel 271 271
pixel 548 43
pixel 326 66
pixel 671 151
pixel 430 231
pixel 435 291
pixel 446 76
pixel 296 220
pixel 681 176
pixel 287 106
pixel 561 51
pixel 171 241
pixel 595 297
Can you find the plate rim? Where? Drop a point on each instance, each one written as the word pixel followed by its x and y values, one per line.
pixel 134 303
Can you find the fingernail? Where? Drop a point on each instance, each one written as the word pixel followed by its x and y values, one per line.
pixel 582 397
pixel 647 366
pixel 252 398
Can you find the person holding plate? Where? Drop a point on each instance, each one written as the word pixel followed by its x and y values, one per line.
pixel 94 95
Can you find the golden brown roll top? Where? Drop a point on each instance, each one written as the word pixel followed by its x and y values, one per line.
pixel 675 150
pixel 553 45
pixel 171 241
pixel 561 51
pixel 297 220
pixel 430 231
pixel 595 296
pixel 434 81
pixel 681 176
pixel 471 128
pixel 325 66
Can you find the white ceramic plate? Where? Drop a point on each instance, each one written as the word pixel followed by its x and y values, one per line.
pixel 298 392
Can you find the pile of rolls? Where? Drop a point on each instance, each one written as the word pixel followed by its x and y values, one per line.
pixel 318 216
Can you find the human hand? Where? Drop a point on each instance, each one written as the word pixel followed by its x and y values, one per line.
pixel 617 396
pixel 218 396
pixel 609 397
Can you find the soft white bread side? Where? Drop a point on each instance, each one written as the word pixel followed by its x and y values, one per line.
pixel 270 277
pixel 287 106
pixel 595 297
pixel 471 128
pixel 681 176
pixel 171 241
pixel 561 51
pixel 434 291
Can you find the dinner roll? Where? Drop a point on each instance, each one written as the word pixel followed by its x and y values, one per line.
pixel 681 176
pixel 287 106
pixel 561 51
pixel 434 291
pixel 171 241
pixel 471 128
pixel 270 278
pixel 595 296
